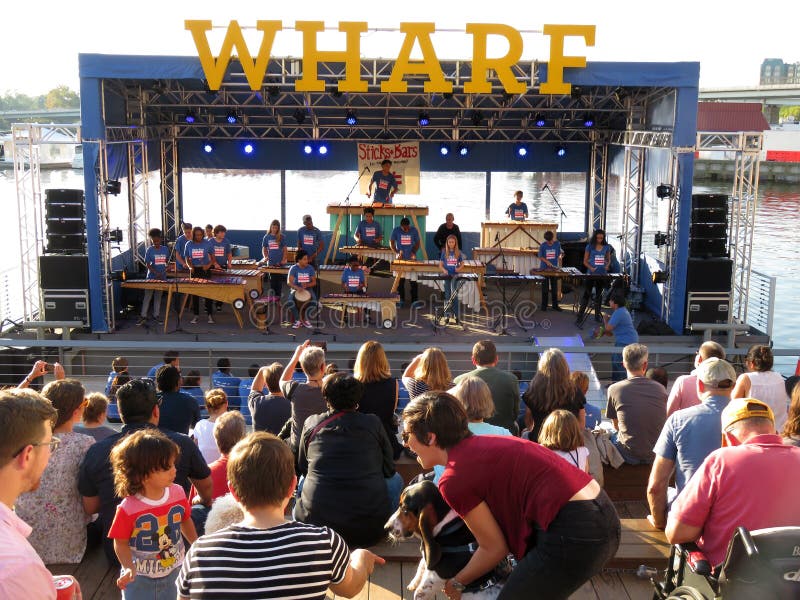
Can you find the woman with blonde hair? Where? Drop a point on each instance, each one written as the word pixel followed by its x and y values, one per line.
pixel 95 411
pixel 216 402
pixel 380 389
pixel 427 372
pixel 791 431
pixel 274 251
pixel 562 433
pixel 476 397
pixel 551 389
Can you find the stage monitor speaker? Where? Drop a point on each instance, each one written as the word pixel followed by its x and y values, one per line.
pixel 719 201
pixel 66 244
pixel 55 196
pixel 709 230
pixel 708 248
pixel 707 308
pixel 709 275
pixel 63 272
pixel 65 226
pixel 66 305
pixel 64 211
pixel 710 215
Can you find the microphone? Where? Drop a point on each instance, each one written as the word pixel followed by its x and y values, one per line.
pixel 366 168
pixel 497 237
pixel 544 187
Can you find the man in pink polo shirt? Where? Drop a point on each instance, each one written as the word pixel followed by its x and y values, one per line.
pixel 26 420
pixel 750 481
pixel 684 391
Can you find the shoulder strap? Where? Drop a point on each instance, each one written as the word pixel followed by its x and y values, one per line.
pixel 320 425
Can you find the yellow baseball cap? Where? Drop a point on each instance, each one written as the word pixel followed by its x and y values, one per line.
pixel 744 408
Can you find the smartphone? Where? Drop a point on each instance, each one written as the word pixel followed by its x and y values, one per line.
pixel 48 367
pixel 323 345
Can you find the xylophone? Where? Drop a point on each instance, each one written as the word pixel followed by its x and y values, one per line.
pixel 515 234
pixel 230 290
pixel 385 303
pixel 378 252
pixel 422 270
pixel 252 278
pixel 519 260
pixel 251 262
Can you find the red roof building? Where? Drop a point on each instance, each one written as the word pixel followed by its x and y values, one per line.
pixel 730 116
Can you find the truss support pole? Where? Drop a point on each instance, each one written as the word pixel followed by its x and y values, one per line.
pixel 171 215
pixel 633 209
pixel 138 199
pixel 598 174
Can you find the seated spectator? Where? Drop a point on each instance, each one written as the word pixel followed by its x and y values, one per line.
pixel 306 397
pixel 118 365
pixel 562 433
pixel 139 409
pixel 203 433
pixel 118 382
pixel 178 410
pixel 171 357
pixel 791 431
pixel 593 415
pixel 748 482
pixel 504 386
pixel 191 385
pixel 246 383
pixel 551 388
pixel 684 391
pixel 54 509
pixel 658 374
pixel 93 418
pixel 381 390
pixel 427 372
pixel 222 378
pixel 350 483
pixel 637 407
pixel 689 435
pixel 763 383
pixel 790 382
pixel 262 477
pixel 40 369
pixel 27 444
pixel 270 411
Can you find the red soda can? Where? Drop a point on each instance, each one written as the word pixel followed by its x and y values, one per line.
pixel 65 587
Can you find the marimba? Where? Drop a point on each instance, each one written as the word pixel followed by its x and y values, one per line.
pixel 252 278
pixel 230 290
pixel 521 311
pixel 383 303
pixel 378 252
pixel 519 260
pixel 515 234
pixel 252 263
pixel 429 273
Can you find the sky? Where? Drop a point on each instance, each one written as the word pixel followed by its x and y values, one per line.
pixel 42 40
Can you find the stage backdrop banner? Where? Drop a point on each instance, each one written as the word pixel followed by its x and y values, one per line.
pixel 405 164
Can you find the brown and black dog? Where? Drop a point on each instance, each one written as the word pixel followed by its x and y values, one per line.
pixel 447 543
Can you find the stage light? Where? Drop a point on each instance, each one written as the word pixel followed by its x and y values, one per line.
pixel 424 120
pixel 248 148
pixel 322 149
pixel 661 239
pixel 113 187
pixel 208 147
pixel 561 151
pixel 190 116
pixel 444 149
pixel 231 117
pixel 588 120
pixel 665 191
pixel 539 121
pixel 477 117
pixel 660 276
pixel 308 148
pixel 299 116
pixel 351 118
pixel 522 151
pixel 463 150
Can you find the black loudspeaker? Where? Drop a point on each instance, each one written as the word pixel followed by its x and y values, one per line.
pixel 66 244
pixel 718 201
pixel 709 230
pixel 63 211
pixel 707 308
pixel 709 215
pixel 708 248
pixel 63 272
pixel 65 226
pixel 63 196
pixel 709 275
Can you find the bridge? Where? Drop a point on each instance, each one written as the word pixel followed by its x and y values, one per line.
pixel 771 97
pixel 55 115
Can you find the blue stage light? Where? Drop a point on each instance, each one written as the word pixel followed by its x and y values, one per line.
pixel 231 117
pixel 208 147
pixel 424 120
pixel 351 118
pixel 539 121
pixel 323 149
pixel 248 148
pixel 308 149
pixel 588 121
pixel 522 151
pixel 190 116
pixel 444 149
pixel 463 150
pixel 561 151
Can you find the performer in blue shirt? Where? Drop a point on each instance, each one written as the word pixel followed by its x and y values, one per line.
pixel 302 276
pixel 405 242
pixel 155 259
pixel 221 247
pixel 309 238
pixel 273 249
pixel 354 280
pixel 620 325
pixel 549 256
pixel 209 232
pixel 596 259
pixel 451 262
pixel 384 182
pixel 368 232
pixel 518 210
pixel 199 258
pixel 180 246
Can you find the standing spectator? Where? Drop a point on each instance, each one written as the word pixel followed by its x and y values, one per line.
pixel 504 386
pixel 27 443
pixel 270 411
pixel 763 383
pixel 689 435
pixel 446 229
pixel 223 378
pixel 179 411
pixel 203 433
pixel 791 431
pixel 139 409
pixel 551 388
pixel 684 391
pixel 427 372
pixel 118 365
pixel 381 390
pixel 350 483
pixel 54 509
pixel 637 407
pixel 306 397
pixel 620 325
pixel 171 357
pixel 93 418
pixel 262 477
pixel 562 433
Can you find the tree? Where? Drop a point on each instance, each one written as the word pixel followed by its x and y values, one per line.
pixel 62 97
pixel 789 111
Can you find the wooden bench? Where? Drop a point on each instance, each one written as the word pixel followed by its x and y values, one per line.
pixel 408 468
pixel 629 482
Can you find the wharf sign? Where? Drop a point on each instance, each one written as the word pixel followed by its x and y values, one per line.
pixel 415 33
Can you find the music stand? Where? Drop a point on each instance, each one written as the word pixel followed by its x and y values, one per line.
pixel 503 317
pixel 173 260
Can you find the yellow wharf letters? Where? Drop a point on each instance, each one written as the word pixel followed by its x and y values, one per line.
pixel 415 33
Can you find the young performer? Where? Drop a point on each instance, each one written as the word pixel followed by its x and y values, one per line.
pixel 200 260
pixel 596 259
pixel 549 256
pixel 518 210
pixel 405 242
pixel 302 278
pixel 385 184
pixel 451 262
pixel 273 249
pixel 155 259
pixel 180 246
pixel 354 279
pixel 221 247
pixel 369 231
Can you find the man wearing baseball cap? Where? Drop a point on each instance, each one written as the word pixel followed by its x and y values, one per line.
pixel 751 481
pixel 688 436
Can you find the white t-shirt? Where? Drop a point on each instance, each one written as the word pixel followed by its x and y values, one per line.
pixel 577 457
pixel 204 434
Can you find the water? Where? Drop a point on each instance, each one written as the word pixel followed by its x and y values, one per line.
pixel 250 200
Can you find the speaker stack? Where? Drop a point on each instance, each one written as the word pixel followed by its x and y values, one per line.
pixel 710 271
pixel 64 268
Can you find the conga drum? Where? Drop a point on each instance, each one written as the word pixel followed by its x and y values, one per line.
pixel 301 298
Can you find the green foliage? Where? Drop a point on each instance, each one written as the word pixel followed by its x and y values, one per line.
pixel 62 97
pixel 58 98
pixel 790 111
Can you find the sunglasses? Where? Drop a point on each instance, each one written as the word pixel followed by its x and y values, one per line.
pixel 53 443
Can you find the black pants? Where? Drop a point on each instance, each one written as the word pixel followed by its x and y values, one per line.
pixel 599 285
pixel 552 284
pixel 276 283
pixel 204 274
pixel 401 289
pixel 583 536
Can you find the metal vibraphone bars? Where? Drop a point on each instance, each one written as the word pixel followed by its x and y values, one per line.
pixel 378 252
pixel 416 270
pixel 230 290
pixel 521 261
pixel 383 303
pixel 252 278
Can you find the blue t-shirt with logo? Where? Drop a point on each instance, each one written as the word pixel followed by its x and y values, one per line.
pixel 299 276
pixel 353 280
pixel 157 259
pixel 550 252
pixel 517 212
pixel 383 185
pixel 451 261
pixel 405 241
pixel 274 248
pixel 597 258
pixel 199 253
pixel 367 232
pixel 309 239
pixel 221 251
pixel 624 331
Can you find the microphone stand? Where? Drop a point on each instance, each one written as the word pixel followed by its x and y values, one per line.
pixel 347 209
pixel 504 330
pixel 173 253
pixel 563 214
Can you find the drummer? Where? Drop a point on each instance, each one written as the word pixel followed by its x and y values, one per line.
pixel 518 210
pixel 302 278
pixel 369 231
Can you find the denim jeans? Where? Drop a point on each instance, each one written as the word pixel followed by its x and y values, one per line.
pixel 583 536
pixel 448 291
pixel 618 372
pixel 151 588
pixel 292 305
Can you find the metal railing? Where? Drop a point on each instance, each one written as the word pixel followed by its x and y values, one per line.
pixel 761 302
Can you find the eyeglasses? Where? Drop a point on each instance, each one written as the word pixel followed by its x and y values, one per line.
pixel 53 443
